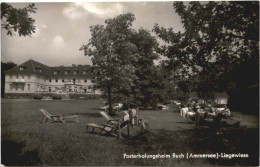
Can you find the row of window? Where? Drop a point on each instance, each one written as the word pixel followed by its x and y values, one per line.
pixel 50 80
pixel 56 71
pixel 67 72
pixel 73 80
pixel 40 88
pixel 22 76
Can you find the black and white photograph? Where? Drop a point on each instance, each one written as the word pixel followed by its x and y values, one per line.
pixel 130 83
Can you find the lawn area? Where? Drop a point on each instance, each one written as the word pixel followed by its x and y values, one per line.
pixel 27 141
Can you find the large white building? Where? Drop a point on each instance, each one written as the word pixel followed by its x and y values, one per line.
pixel 34 77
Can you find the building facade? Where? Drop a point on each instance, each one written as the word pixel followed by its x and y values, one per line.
pixel 34 77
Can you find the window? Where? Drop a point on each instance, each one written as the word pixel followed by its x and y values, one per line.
pixel 85 80
pixel 22 77
pixel 56 80
pixel 16 87
pixel 16 76
pixel 29 87
pixel 11 87
pixel 29 76
pixel 75 89
pixel 49 89
pixel 75 72
pixel 21 68
pixel 66 72
pixel 84 72
pixel 85 90
pixel 63 80
pixel 49 80
pixel 55 72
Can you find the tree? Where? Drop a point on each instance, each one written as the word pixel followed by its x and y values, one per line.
pixel 148 85
pixel 18 20
pixel 218 36
pixel 5 67
pixel 113 54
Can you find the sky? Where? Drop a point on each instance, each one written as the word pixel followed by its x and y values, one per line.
pixel 62 28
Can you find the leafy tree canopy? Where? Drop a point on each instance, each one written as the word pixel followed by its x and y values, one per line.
pixel 113 54
pixel 218 36
pixel 18 20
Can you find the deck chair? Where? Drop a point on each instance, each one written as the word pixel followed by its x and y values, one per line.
pixel 57 117
pixel 100 127
pixel 107 128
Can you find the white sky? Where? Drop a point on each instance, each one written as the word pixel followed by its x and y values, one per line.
pixel 61 29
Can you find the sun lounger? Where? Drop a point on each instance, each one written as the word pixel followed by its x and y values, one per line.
pixel 57 117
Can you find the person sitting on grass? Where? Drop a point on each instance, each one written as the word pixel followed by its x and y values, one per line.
pixel 225 111
pixel 211 112
pixel 190 114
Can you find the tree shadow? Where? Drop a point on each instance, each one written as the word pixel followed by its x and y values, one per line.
pixel 204 141
pixel 92 115
pixel 13 154
pixel 187 122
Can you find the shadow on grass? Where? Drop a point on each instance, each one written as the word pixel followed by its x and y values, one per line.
pixel 187 122
pixel 92 115
pixel 202 141
pixel 13 154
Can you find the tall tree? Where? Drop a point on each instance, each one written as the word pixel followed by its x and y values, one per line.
pixel 147 88
pixel 218 37
pixel 113 54
pixel 18 20
pixel 5 67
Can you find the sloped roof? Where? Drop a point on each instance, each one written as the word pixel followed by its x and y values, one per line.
pixel 30 67
pixel 34 67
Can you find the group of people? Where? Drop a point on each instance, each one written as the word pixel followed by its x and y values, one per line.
pixel 196 112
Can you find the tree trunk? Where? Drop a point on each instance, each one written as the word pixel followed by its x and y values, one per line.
pixel 110 109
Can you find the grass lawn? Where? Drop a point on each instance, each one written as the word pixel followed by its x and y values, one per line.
pixel 27 141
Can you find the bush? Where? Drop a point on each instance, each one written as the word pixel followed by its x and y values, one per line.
pixel 56 97
pixel 37 96
pixel 86 96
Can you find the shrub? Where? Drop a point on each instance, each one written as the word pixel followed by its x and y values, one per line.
pixel 56 97
pixel 37 96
